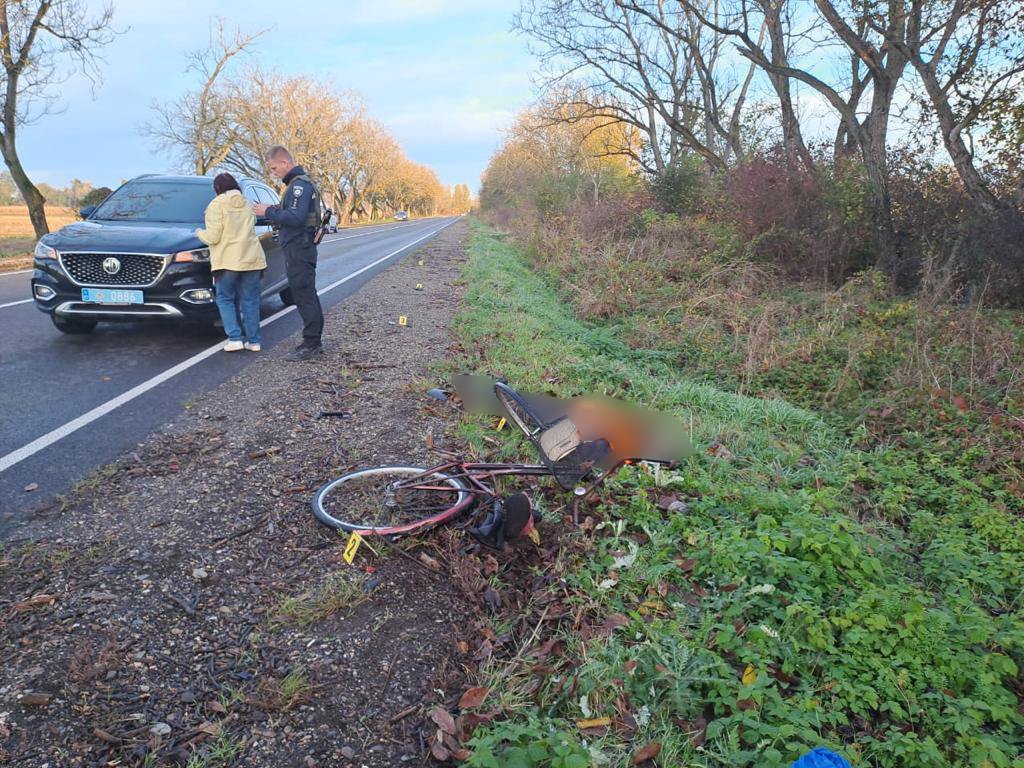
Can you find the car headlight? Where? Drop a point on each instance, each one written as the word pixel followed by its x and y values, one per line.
pixel 200 256
pixel 45 252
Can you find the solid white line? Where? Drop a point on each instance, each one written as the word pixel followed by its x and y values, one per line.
pixel 19 272
pixel 12 458
pixel 15 303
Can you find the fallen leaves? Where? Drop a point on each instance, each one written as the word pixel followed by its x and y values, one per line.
pixel 473 697
pixel 648 752
pixel 34 602
pixel 443 719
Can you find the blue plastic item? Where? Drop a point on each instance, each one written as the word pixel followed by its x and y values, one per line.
pixel 821 758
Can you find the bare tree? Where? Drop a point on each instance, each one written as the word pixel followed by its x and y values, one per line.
pixel 40 43
pixel 198 126
pixel 872 31
pixel 647 64
pixel 969 55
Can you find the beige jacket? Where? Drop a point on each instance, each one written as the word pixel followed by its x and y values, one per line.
pixel 230 233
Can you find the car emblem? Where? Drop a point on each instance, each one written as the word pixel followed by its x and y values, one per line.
pixel 111 266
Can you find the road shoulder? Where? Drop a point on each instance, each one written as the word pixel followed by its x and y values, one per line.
pixel 182 600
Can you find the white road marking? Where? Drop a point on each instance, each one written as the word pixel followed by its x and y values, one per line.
pixel 20 454
pixel 15 303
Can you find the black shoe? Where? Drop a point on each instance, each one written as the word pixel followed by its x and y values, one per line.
pixel 303 352
pixel 508 519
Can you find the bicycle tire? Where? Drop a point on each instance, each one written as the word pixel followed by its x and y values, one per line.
pixel 518 410
pixel 346 502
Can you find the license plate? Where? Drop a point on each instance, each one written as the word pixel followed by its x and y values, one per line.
pixel 111 296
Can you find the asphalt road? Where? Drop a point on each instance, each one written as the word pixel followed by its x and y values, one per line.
pixel 69 404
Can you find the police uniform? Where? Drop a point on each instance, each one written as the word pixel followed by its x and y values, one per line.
pixel 297 218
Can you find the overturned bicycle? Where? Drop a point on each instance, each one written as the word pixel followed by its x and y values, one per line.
pixel 581 442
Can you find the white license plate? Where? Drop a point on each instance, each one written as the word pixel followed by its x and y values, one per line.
pixel 111 296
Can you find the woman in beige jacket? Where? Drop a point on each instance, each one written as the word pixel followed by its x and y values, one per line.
pixel 236 259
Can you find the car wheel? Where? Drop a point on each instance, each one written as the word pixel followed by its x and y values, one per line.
pixel 69 325
pixel 286 297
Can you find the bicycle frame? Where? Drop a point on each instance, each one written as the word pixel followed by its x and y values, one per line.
pixel 471 474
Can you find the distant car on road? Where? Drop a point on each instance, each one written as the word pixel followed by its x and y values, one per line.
pixel 136 256
pixel 401 216
pixel 332 225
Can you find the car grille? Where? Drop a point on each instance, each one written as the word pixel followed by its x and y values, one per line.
pixel 136 268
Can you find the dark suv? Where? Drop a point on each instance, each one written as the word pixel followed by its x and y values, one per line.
pixel 136 256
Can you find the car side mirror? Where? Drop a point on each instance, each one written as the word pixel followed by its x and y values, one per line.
pixel 86 212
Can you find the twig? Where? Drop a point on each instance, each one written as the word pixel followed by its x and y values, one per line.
pixel 403 714
pixel 391 669
pixel 259 524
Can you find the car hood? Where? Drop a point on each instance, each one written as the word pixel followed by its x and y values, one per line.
pixel 125 237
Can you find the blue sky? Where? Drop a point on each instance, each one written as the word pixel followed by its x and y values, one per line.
pixel 444 76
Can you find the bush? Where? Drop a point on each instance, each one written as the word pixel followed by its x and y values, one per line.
pixel 96 196
pixel 680 187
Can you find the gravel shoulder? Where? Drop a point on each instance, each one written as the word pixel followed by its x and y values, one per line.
pixel 182 606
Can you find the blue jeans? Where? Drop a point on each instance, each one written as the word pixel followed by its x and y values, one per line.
pixel 239 291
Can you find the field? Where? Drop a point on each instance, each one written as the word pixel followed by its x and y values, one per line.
pixel 17 238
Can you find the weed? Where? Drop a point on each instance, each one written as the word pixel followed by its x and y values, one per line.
pixel 337 592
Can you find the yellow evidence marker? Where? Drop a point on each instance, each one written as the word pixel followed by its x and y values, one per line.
pixel 501 424
pixel 403 320
pixel 352 547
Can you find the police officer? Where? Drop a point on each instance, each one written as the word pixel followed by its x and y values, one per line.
pixel 297 218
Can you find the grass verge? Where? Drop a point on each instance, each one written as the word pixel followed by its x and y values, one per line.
pixel 809 593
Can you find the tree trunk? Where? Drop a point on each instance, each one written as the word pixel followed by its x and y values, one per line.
pixel 981 196
pixel 792 138
pixel 33 197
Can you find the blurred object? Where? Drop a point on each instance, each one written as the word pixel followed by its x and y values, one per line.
pixel 572 428
pixel 437 394
pixel 821 758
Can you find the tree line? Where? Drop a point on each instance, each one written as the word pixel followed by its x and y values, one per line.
pixel 226 122
pixel 232 115
pixel 709 86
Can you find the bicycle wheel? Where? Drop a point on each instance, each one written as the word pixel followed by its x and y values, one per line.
pixel 519 411
pixel 390 501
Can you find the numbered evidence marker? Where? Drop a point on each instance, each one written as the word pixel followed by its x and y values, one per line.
pixel 501 424
pixel 420 262
pixel 352 547
pixel 419 286
pixel 403 320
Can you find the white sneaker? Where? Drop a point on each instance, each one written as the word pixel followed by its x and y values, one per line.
pixel 233 346
pixel 253 347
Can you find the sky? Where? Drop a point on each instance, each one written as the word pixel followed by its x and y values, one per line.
pixel 444 76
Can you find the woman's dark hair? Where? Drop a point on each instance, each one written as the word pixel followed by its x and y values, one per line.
pixel 222 182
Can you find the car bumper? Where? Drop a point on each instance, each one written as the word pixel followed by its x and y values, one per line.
pixel 176 296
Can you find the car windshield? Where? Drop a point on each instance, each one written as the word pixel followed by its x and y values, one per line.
pixel 159 201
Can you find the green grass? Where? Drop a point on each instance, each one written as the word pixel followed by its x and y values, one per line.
pixel 220 753
pixel 337 592
pixel 868 600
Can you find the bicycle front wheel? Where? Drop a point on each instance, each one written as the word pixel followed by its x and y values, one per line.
pixel 390 501
pixel 519 411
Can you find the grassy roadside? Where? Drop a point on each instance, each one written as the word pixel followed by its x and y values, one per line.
pixel 808 593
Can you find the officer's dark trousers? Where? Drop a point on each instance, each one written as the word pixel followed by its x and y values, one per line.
pixel 300 267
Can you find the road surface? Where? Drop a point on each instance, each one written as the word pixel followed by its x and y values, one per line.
pixel 69 404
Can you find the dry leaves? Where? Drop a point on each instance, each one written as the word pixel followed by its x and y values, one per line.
pixel 473 697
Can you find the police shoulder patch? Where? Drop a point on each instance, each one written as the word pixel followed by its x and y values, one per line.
pixel 297 190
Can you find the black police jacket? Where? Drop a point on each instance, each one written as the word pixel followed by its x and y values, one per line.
pixel 298 214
